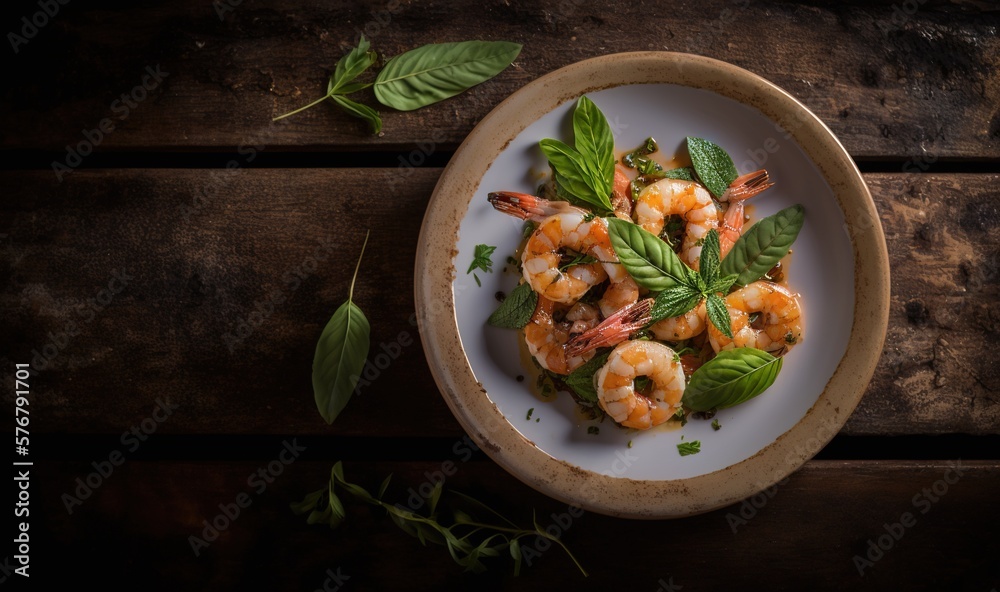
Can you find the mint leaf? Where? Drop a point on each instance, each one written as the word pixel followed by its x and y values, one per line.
pixel 482 259
pixel 708 265
pixel 516 310
pixel 674 302
pixel 718 314
pixel 714 167
pixel 581 380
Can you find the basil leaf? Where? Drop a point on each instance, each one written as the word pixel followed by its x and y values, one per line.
pixel 761 247
pixel 361 111
pixel 593 140
pixel 573 175
pixel 341 353
pixel 435 72
pixel 516 310
pixel 581 380
pixel 689 448
pixel 674 302
pixel 708 265
pixel 714 167
pixel 650 261
pixel 730 378
pixel 723 284
pixel 718 314
pixel 351 66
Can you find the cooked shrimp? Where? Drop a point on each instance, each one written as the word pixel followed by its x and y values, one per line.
pixel 583 316
pixel 614 329
pixel 779 313
pixel 621 195
pixel 742 189
pixel 682 327
pixel 616 389
pixel 687 199
pixel 619 295
pixel 561 226
pixel 546 339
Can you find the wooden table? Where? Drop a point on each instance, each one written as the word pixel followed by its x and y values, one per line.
pixel 152 272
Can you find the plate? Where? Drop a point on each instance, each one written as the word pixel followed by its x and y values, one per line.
pixel 839 265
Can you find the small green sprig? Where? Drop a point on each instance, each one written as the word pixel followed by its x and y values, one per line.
pixel 481 259
pixel 468 539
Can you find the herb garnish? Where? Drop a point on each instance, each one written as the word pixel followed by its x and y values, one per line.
pixel 482 259
pixel 467 538
pixel 415 79
pixel 583 173
pixel 516 310
pixel 341 353
pixel 716 425
pixel 714 167
pixel 593 430
pixel 730 378
pixel 689 448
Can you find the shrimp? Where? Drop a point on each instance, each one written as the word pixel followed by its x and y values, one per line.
pixel 742 189
pixel 779 312
pixel 616 389
pixel 583 316
pixel 619 294
pixel 561 226
pixel 682 327
pixel 613 330
pixel 546 339
pixel 687 199
pixel 621 195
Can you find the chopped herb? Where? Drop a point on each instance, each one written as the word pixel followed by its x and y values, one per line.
pixel 646 166
pixel 530 411
pixel 538 419
pixel 689 448
pixel 478 283
pixel 648 147
pixel 529 227
pixel 589 216
pixel 593 430
pixel 482 259
pixel 679 414
pixel 753 317
pixel 511 261
pixel 630 443
pixel 683 351
pixel 575 259
pixel 790 338
pixel 641 384
pixel 716 425
pixel 519 378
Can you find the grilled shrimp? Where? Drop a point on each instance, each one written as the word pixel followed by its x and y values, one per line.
pixel 616 388
pixel 779 315
pixel 687 199
pixel 546 339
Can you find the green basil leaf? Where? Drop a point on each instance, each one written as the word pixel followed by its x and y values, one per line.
pixel 689 448
pixel 581 380
pixel 761 247
pixel 573 176
pixel 714 167
pixel 351 66
pixel 650 261
pixel 718 314
pixel 361 111
pixel 723 284
pixel 674 302
pixel 435 72
pixel 708 266
pixel 341 353
pixel 730 378
pixel 594 141
pixel 516 310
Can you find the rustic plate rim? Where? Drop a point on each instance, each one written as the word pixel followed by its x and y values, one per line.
pixel 435 271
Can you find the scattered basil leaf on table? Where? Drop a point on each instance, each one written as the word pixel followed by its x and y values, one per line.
pixel 341 353
pixel 763 245
pixel 467 539
pixel 435 72
pixel 714 166
pixel 730 378
pixel 360 111
pixel 516 310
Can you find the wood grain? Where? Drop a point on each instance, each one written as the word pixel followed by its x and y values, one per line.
pixel 889 84
pixel 802 535
pixel 213 252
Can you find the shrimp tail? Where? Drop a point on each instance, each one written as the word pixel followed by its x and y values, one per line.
pixel 731 227
pixel 748 185
pixel 527 207
pixel 614 330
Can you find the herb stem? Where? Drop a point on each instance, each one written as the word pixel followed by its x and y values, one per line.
pixel 300 109
pixel 350 293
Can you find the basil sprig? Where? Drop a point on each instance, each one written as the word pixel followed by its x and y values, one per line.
pixel 583 174
pixel 763 245
pixel 650 261
pixel 341 353
pixel 730 378
pixel 516 310
pixel 415 79
pixel 714 166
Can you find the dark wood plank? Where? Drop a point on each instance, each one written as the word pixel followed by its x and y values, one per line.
pixel 889 84
pixel 202 274
pixel 802 535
